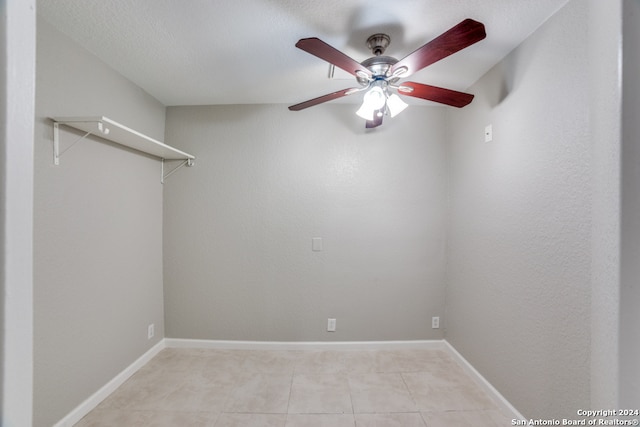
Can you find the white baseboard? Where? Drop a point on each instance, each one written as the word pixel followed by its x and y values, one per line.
pixel 304 345
pixel 498 398
pixel 94 400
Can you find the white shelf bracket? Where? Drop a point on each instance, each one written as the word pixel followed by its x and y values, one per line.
pixel 56 140
pixel 186 162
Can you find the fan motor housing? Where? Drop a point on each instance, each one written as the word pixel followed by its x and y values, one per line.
pixel 378 65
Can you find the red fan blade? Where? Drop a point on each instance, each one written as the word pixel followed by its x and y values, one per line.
pixel 457 38
pixel 377 119
pixel 436 94
pixel 323 98
pixel 317 47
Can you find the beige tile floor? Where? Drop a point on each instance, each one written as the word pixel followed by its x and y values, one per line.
pixel 252 388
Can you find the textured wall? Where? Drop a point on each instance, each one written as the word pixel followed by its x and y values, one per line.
pixel 519 238
pixel 630 219
pixel 97 231
pixel 238 226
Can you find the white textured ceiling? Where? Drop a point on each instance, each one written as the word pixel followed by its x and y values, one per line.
pixel 197 52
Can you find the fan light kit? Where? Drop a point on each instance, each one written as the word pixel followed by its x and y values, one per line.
pixel 380 74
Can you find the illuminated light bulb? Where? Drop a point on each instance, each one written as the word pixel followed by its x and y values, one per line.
pixel 374 100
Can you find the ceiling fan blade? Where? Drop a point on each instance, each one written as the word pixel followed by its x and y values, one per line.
pixel 317 47
pixel 323 98
pixel 377 120
pixel 436 94
pixel 455 39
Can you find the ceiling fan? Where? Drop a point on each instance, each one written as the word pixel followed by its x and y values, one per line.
pixel 378 74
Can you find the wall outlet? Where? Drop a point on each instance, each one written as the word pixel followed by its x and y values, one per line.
pixel 331 325
pixel 435 322
pixel 488 133
pixel 150 331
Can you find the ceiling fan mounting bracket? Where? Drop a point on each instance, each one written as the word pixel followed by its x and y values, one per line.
pixel 378 43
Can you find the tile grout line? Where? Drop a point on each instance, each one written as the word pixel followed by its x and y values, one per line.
pixel 215 422
pixel 413 399
pixel 353 409
pixel 286 418
pixel 422 418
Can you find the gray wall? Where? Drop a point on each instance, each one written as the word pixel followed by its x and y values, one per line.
pixel 97 231
pixel 630 219
pixel 519 254
pixel 238 226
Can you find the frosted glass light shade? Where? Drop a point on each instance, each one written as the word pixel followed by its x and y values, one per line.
pixel 365 112
pixel 395 105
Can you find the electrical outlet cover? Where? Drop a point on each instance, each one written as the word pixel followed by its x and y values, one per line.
pixel 488 133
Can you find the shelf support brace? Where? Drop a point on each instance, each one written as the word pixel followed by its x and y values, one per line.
pixel 187 162
pixel 56 140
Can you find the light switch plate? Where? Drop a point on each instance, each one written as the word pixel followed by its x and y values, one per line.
pixel 316 244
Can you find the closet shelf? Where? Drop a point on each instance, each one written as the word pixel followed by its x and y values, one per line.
pixel 113 131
